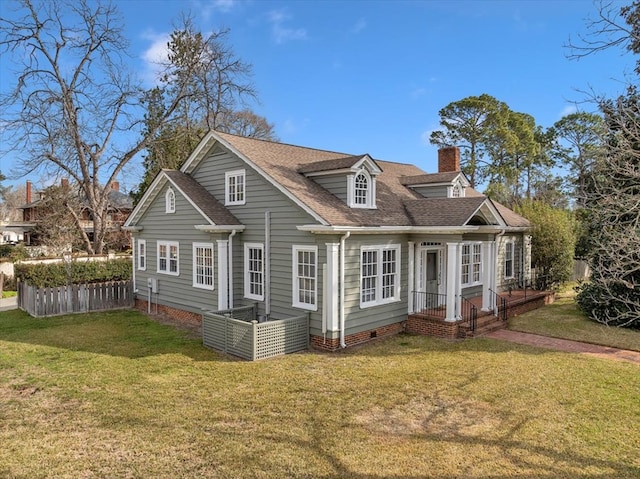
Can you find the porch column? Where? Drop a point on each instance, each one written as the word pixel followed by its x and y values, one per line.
pixel 411 277
pixel 332 287
pixel 488 274
pixel 453 281
pixel 223 274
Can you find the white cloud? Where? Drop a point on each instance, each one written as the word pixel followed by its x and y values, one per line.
pixel 281 33
pixel 426 135
pixel 154 56
pixel 360 25
pixel 568 110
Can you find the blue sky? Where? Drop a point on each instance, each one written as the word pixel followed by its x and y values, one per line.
pixel 371 76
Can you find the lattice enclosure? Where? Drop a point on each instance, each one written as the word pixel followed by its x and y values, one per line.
pixel 253 340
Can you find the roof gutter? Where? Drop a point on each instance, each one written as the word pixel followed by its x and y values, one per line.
pixel 320 229
pixel 219 228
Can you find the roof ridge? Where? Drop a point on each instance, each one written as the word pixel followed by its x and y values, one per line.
pixel 347 155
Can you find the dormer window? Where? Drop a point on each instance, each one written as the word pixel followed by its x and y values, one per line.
pixel 170 201
pixel 456 191
pixel 361 190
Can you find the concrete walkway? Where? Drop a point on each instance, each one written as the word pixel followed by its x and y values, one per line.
pixel 565 345
pixel 7 304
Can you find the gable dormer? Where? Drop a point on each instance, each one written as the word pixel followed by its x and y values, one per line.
pixel 449 182
pixel 352 179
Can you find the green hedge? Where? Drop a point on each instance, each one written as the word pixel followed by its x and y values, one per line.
pixel 59 274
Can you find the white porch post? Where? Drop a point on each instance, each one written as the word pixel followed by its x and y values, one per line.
pixel 488 274
pixel 333 259
pixel 223 274
pixel 411 277
pixel 453 281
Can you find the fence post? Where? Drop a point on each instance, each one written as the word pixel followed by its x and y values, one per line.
pixel 254 330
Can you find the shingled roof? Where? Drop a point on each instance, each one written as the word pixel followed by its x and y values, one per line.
pixel 397 205
pixel 201 198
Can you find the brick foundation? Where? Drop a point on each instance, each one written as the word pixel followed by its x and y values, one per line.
pixel 179 315
pixel 434 327
pixel 531 304
pixel 318 342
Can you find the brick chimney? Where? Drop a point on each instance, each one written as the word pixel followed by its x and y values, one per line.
pixel 448 159
pixel 28 192
pixel 64 182
pixel 115 186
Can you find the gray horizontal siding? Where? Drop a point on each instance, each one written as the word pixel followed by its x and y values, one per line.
pixel 359 319
pixel 335 184
pixel 286 216
pixel 175 291
pixel 431 191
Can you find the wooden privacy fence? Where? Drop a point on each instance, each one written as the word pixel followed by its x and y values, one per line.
pixel 75 298
pixel 252 340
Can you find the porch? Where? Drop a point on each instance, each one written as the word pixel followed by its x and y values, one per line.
pixel 429 316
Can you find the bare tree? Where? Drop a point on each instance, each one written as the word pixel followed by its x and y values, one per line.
pixel 74 108
pixel 612 296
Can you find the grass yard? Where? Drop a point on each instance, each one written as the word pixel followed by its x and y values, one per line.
pixel 117 395
pixel 563 319
pixel 9 294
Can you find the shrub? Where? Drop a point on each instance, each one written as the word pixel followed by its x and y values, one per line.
pixel 59 274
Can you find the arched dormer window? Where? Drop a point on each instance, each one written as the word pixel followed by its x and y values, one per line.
pixel 362 190
pixel 170 201
pixel 456 191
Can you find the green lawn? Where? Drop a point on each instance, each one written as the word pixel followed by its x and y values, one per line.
pixel 9 294
pixel 563 319
pixel 117 395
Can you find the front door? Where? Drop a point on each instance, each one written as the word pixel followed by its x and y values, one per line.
pixel 431 271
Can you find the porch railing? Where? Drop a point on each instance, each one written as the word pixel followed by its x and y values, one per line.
pixel 432 304
pixel 468 313
pixel 501 306
pixel 528 283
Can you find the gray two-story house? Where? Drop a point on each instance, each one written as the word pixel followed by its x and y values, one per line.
pixel 356 242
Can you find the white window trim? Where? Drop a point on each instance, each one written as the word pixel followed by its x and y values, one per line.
pixel 142 243
pixel 168 244
pixel 295 284
pixel 227 197
pixel 195 266
pixel 396 294
pixel 371 192
pixel 170 201
pixel 461 190
pixel 471 245
pixel 513 255
pixel 247 285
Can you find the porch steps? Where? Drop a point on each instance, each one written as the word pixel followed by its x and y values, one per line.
pixel 484 324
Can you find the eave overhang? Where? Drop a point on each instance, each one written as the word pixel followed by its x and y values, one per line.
pixel 444 230
pixel 219 228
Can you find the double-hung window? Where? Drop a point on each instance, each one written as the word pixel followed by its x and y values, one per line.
pixel 168 257
pixel 254 271
pixel 471 264
pixel 203 265
pixel 142 255
pixel 379 275
pixel 305 280
pixel 508 260
pixel 235 193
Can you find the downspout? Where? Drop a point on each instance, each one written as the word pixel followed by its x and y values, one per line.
pixel 230 269
pixel 267 264
pixel 343 344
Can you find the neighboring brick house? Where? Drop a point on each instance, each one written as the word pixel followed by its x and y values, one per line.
pixel 120 206
pixel 355 242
